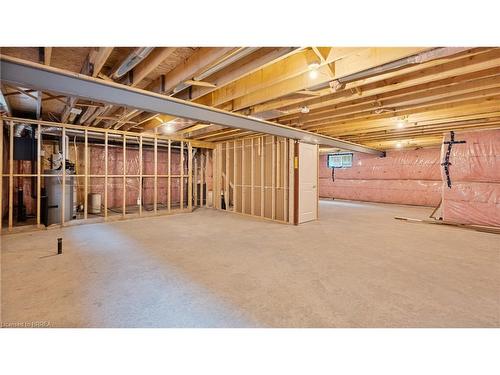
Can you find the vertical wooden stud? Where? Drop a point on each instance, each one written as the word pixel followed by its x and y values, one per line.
pixel 169 181
pixel 273 178
pixel 235 171
pixel 155 188
pixel 226 180
pixel 38 175
pixel 196 180
pixel 86 169
pixel 124 177
pixel 202 177
pixel 317 182
pixel 215 160
pixel 219 175
pixel 106 136
pixel 63 195
pixel 140 175
pixel 285 180
pixel 243 195
pixel 278 163
pixel 252 178
pixel 262 175
pixel 190 177
pixel 11 175
pixel 182 177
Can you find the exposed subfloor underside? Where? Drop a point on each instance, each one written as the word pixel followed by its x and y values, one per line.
pixel 355 267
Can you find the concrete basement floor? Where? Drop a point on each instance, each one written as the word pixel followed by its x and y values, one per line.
pixel 355 267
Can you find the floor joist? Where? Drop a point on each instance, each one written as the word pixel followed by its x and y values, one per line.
pixel 32 75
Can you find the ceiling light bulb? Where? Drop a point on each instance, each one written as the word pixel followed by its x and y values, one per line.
pixel 167 128
pixel 313 70
pixel 399 145
pixel 314 66
pixel 401 124
pixel 304 109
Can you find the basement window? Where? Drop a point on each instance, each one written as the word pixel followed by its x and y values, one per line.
pixel 339 160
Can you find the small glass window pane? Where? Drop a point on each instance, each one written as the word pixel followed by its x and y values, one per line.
pixel 343 160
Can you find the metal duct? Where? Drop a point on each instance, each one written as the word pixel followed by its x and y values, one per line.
pixel 437 53
pixel 18 129
pixel 231 59
pixel 131 61
pixel 4 106
pixel 219 66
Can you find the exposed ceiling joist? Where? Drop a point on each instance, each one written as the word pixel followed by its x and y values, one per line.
pixel 41 77
pixel 92 66
pixel 47 55
pixel 195 64
pixel 150 63
pixel 322 53
pixel 199 62
pixel 192 82
pixel 260 59
pixel 222 79
pixel 384 82
pixel 352 63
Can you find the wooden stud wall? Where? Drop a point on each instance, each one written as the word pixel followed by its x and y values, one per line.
pixel 207 183
pixel 185 175
pixel 253 175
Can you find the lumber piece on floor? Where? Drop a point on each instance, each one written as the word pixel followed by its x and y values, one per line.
pixel 478 228
pixel 435 210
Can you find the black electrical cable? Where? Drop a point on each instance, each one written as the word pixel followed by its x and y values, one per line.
pixel 446 162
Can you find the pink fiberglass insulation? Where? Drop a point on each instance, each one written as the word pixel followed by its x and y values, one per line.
pixel 414 192
pixel 474 196
pixel 422 164
pixel 115 167
pixel 402 177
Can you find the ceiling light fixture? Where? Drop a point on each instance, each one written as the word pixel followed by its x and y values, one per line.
pixel 167 128
pixel 402 121
pixel 313 70
pixel 399 145
pixel 304 109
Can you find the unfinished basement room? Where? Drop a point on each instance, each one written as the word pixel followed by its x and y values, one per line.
pixel 250 187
